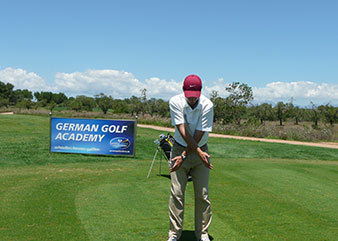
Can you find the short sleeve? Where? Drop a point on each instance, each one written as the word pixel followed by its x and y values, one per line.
pixel 207 118
pixel 176 111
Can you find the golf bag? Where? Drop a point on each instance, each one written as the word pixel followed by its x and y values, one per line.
pixel 166 144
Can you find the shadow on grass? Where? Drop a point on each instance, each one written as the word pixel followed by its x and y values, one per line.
pixel 163 175
pixel 188 235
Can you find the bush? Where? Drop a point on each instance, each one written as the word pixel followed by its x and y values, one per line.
pixel 288 131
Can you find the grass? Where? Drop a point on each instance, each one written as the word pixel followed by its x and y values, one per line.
pixel 259 191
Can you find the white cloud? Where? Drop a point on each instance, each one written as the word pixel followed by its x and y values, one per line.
pixel 302 92
pixel 160 88
pixel 21 79
pixel 118 84
pixel 218 86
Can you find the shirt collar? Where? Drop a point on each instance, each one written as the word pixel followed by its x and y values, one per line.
pixel 198 107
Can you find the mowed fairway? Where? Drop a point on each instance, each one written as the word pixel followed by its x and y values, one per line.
pixel 259 191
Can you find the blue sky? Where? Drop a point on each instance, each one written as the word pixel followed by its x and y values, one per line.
pixel 282 49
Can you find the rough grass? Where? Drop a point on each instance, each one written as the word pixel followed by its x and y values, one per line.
pixel 305 131
pixel 259 191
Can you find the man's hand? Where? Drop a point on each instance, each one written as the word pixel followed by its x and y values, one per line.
pixel 177 163
pixel 192 142
pixel 205 158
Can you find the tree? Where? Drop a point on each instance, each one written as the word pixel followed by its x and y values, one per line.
pixel 51 106
pixel 87 103
pixel 240 95
pixel 163 108
pixel 290 110
pixel 314 114
pixel 219 106
pixel 264 112
pixel 26 104
pixel 135 105
pixel 81 102
pixel 59 98
pixel 42 103
pixel 152 106
pixel 104 102
pixel 281 112
pixel 121 106
pixel 9 96
pixel 47 97
pixel 4 102
pixel 75 104
pixel 143 100
pixel 298 114
pixel 23 95
pixel 6 92
pixel 329 112
pixel 213 95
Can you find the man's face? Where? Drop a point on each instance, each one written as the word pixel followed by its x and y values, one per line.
pixel 192 100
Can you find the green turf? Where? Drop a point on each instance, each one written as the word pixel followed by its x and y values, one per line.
pixel 259 191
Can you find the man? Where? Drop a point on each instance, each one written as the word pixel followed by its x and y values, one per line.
pixel 192 116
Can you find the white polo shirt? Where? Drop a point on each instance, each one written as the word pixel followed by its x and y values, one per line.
pixel 200 118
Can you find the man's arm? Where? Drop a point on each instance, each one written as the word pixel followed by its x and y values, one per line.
pixel 192 142
pixel 197 137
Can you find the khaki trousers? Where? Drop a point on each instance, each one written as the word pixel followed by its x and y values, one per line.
pixel 200 177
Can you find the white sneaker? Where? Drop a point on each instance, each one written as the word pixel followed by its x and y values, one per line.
pixel 205 239
pixel 172 239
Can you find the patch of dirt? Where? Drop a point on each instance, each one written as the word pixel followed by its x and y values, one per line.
pixel 7 113
pixel 317 144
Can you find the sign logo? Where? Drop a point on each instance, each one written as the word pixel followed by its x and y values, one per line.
pixel 119 143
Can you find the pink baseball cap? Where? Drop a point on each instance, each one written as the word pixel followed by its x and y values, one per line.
pixel 192 86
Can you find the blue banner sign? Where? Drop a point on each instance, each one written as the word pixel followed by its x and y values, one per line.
pixel 93 136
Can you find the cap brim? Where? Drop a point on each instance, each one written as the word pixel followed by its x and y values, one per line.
pixel 192 93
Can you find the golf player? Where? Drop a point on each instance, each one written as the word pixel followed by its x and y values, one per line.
pixel 192 115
